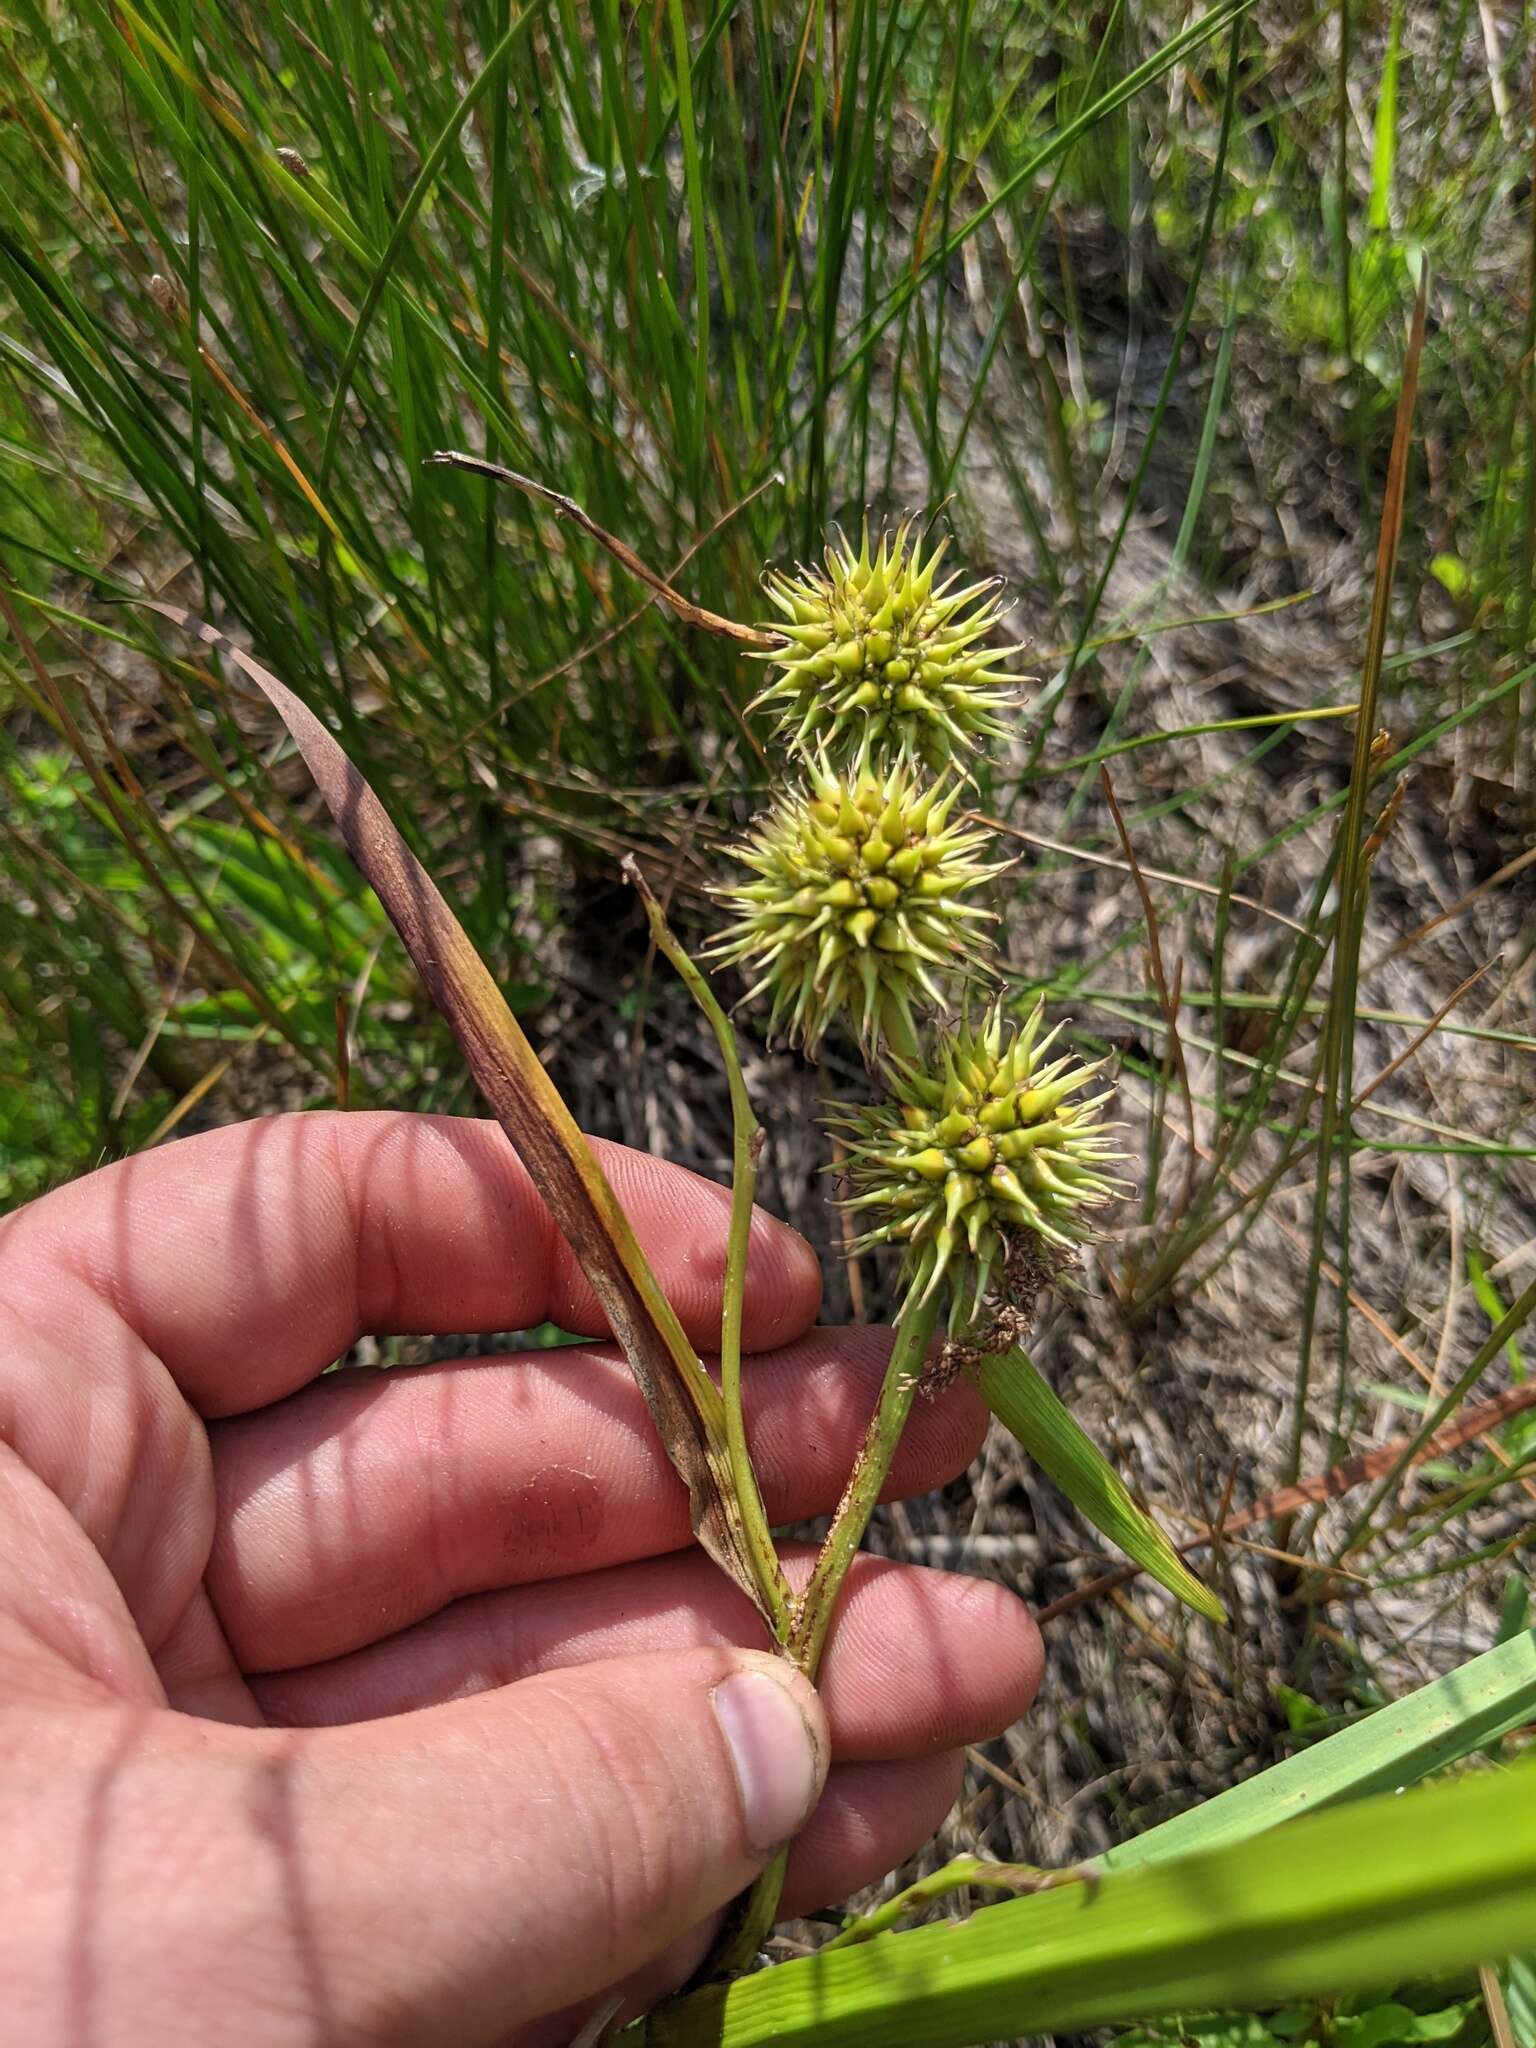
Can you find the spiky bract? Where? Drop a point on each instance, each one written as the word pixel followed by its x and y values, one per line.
pixel 858 902
pixel 988 1144
pixel 882 660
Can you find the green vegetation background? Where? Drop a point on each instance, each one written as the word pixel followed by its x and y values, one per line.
pixel 722 274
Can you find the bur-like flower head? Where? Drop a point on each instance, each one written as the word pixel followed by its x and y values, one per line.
pixel 857 902
pixel 993 1152
pixel 882 660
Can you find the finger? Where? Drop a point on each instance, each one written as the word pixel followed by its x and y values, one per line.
pixel 872 1817
pixel 918 1661
pixel 371 1500
pixel 251 1257
pixel 531 1843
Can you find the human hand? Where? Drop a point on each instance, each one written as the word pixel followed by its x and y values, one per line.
pixel 394 1706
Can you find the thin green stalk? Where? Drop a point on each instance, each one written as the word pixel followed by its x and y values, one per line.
pixel 1344 253
pixel 750 1923
pixel 693 182
pixel 489 74
pixel 745 1933
pixel 813 1618
pixel 1336 1117
pixel 1154 426
pixel 1384 149
pixel 746 1146
pixel 889 308
pixel 1526 587
pixel 956 1875
pixel 1380 1891
pixel 1259 722
pixel 1510 1325
pixel 1265 1000
pixel 493 324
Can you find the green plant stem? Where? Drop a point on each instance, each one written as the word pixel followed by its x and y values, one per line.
pixel 746 1146
pixel 954 1876
pixel 748 1924
pixel 903 1372
pixel 813 1611
pixel 813 1618
pixel 1335 1123
pixel 1510 1325
pixel 747 1927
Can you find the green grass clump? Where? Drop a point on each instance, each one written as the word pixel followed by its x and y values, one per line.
pixel 721 276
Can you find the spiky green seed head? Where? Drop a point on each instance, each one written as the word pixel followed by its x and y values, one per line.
pixel 993 1151
pixel 880 659
pixel 858 902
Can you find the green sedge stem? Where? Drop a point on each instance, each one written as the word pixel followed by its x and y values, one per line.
pixel 813 1618
pixel 746 1144
pixel 903 1372
pixel 813 1611
pixel 1022 1879
pixel 800 1627
pixel 746 1932
pixel 748 1924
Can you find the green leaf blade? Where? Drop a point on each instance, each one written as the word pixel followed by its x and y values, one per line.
pixel 1361 1898
pixel 1026 1405
pixel 1396 1745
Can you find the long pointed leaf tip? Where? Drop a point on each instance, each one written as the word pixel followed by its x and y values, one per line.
pixel 684 1402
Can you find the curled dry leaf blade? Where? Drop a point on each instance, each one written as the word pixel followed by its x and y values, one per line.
pixel 683 1400
pixel 567 508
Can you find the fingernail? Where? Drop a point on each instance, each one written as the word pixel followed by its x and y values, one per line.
pixel 774 1752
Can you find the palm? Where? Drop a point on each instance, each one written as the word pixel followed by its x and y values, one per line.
pixel 191 1520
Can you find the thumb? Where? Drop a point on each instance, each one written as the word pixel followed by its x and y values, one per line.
pixel 540 1842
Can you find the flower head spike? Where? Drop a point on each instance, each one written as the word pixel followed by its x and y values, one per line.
pixel 993 1151
pixel 857 902
pixel 882 659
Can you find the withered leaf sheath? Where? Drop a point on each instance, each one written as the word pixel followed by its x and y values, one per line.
pixel 858 903
pixel 994 1140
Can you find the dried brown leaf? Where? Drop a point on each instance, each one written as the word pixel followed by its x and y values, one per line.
pixel 567 508
pixel 683 1400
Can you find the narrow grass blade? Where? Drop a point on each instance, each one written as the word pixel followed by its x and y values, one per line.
pixel 1397 1745
pixel 1389 1889
pixel 1330 1209
pixel 746 1147
pixel 683 1401
pixel 1025 1404
pixel 489 74
pixel 1384 148
pixel 565 507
